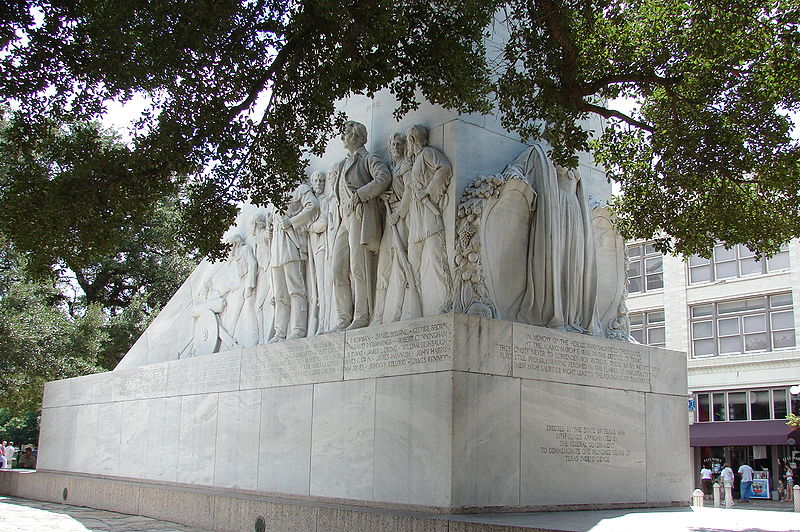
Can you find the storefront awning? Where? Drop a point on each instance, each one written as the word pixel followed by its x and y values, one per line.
pixel 720 434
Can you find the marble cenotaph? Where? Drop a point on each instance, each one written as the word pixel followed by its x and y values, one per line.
pixel 436 321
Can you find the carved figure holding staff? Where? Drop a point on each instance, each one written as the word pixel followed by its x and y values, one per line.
pixel 422 204
pixel 317 252
pixel 394 298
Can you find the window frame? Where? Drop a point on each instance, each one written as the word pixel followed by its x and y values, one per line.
pixel 741 256
pixel 646 252
pixel 647 326
pixel 726 406
pixel 700 318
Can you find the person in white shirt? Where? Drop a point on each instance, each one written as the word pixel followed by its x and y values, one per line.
pixel 746 484
pixel 726 475
pixel 705 479
pixel 9 452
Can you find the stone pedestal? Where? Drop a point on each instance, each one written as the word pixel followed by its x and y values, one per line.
pixel 450 413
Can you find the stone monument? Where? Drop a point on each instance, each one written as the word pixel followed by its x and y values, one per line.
pixel 436 322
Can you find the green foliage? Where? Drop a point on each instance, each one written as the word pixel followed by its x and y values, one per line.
pixel 793 420
pixel 40 342
pixel 242 91
pixel 20 427
pixel 211 67
pixel 76 321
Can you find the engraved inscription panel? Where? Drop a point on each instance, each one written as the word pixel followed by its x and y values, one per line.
pixel 593 437
pixel 217 373
pixel 144 382
pixel 302 361
pixel 586 443
pixel 549 355
pixel 414 346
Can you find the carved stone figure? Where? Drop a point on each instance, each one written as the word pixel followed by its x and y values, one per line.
pixel 422 204
pixel 289 253
pixel 361 180
pixel 493 220
pixel 239 317
pixel 317 263
pixel 207 332
pixel 562 274
pixel 395 279
pixel 261 234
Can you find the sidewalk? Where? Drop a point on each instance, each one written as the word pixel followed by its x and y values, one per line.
pixel 23 515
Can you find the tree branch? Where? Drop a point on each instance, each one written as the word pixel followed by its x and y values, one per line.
pixel 558 31
pixel 613 113
pixel 588 89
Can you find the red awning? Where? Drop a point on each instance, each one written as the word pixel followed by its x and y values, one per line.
pixel 720 433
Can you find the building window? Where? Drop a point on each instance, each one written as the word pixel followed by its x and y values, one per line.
pixel 645 268
pixel 648 327
pixel 760 323
pixel 742 405
pixel 737 261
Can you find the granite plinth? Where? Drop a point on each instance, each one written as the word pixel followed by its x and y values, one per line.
pixel 449 413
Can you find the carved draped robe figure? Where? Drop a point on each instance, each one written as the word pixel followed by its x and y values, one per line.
pixel 393 276
pixel 562 271
pixel 289 253
pixel 422 205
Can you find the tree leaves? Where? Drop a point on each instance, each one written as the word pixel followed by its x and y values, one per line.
pixel 243 91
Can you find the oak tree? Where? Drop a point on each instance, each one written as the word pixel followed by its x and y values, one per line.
pixel 242 90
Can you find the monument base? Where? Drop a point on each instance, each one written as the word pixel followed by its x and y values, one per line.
pixel 225 510
pixel 448 414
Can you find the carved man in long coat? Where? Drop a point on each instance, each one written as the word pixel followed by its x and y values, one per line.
pixel 362 179
pixel 261 231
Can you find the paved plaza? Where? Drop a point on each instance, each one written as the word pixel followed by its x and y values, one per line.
pixel 25 515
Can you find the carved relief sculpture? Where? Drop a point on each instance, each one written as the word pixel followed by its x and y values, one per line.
pixel 361 180
pixel 493 221
pixel 239 317
pixel 207 333
pixel 562 274
pixel 261 232
pixel 365 244
pixel 317 263
pixel 395 296
pixel 422 205
pixel 289 253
